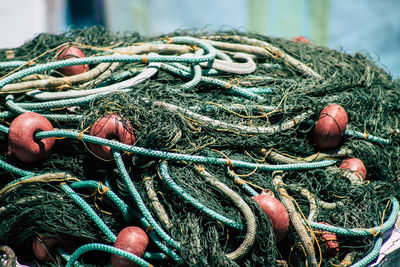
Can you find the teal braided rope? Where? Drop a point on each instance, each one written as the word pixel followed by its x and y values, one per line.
pixel 86 99
pixel 362 232
pixel 105 248
pixel 58 117
pixel 10 168
pixel 109 193
pixel 260 90
pixel 178 156
pixel 67 257
pixel 233 107
pixel 196 78
pixel 237 180
pixel 6 114
pixel 12 64
pixel 126 213
pixel 12 106
pixel 139 202
pixel 4 129
pixel 155 256
pixel 212 52
pixel 196 69
pixel 233 88
pixel 92 214
pixel 370 138
pixel 186 70
pixel 59 103
pixel 118 58
pixel 120 76
pixel 270 65
pixel 370 256
pixel 194 202
pixel 222 84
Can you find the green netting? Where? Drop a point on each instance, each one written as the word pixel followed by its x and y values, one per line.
pixel 263 116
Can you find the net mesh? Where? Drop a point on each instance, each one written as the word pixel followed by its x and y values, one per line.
pixel 355 81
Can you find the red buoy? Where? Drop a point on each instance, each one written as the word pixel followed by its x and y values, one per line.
pixel 300 39
pixel 22 141
pixel 277 213
pixel 69 52
pixel 42 247
pixel 328 243
pixel 354 165
pixel 110 127
pixel 131 239
pixel 330 127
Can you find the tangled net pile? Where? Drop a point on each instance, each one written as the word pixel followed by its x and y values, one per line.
pixel 217 118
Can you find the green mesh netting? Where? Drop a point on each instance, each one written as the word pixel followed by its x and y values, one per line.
pixel 367 92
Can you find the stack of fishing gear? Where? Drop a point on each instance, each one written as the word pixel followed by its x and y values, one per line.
pixel 195 149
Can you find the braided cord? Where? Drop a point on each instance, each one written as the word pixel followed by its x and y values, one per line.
pixel 59 117
pixel 106 248
pixel 139 202
pixel 92 214
pixel 127 213
pixel 118 58
pixel 194 202
pixel 178 156
pixel 371 255
pixel 222 84
pixel 12 64
pixel 109 193
pixel 362 232
pixel 370 138
pixel 247 188
pixel 10 168
pixel 251 223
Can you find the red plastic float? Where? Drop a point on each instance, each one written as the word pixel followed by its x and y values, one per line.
pixel 354 165
pixel 330 127
pixel 300 39
pixel 131 239
pixel 42 247
pixel 328 243
pixel 21 137
pixel 69 52
pixel 110 127
pixel 277 213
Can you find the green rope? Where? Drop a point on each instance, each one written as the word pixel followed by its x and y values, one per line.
pixel 139 202
pixel 59 103
pixel 106 248
pixel 362 232
pixel 117 58
pixel 370 138
pixel 127 213
pixel 178 156
pixel 247 188
pixel 196 75
pixel 371 255
pixel 92 214
pixel 67 257
pixel 222 84
pixel 6 114
pixel 260 90
pixel 10 168
pixel 4 129
pixel 194 202
pixel 59 117
pixel 12 64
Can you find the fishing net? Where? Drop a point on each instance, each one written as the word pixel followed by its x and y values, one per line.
pixel 217 119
